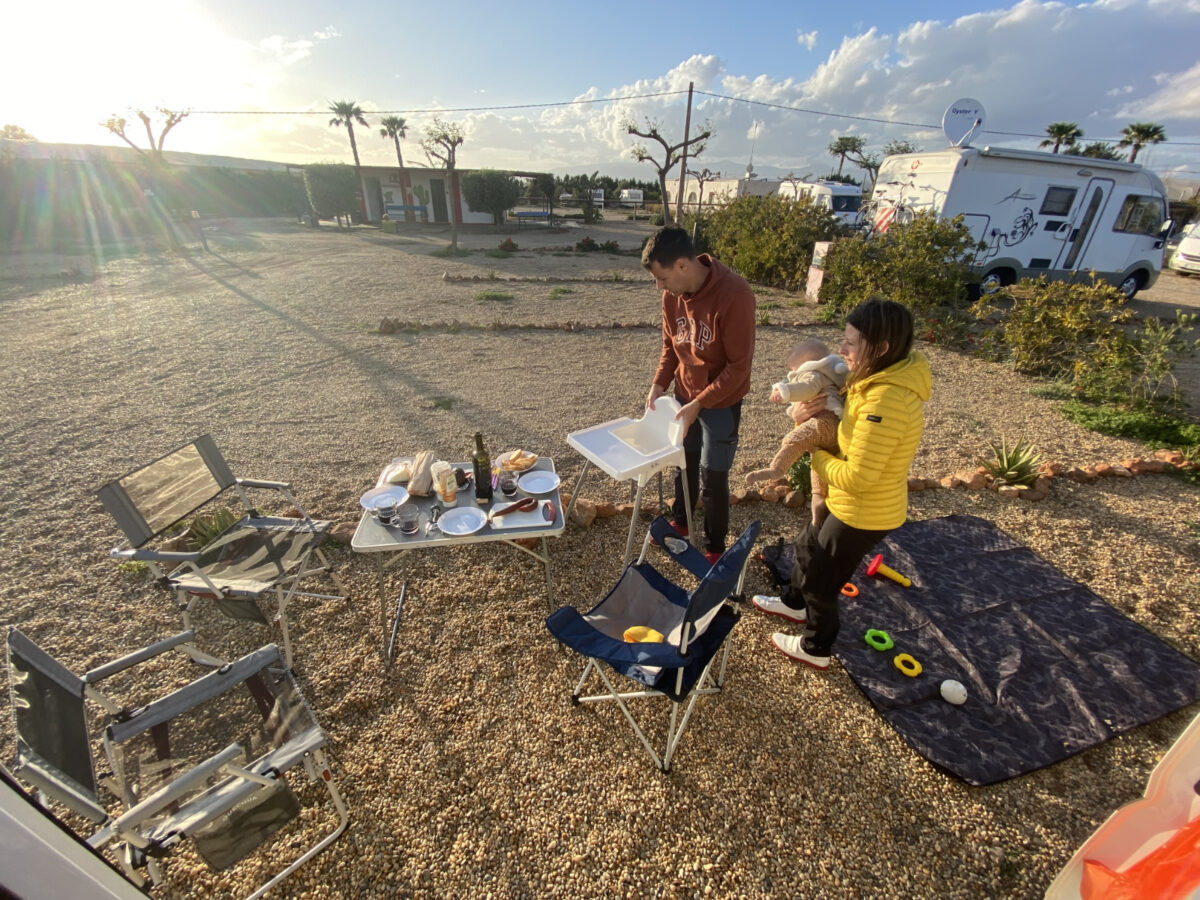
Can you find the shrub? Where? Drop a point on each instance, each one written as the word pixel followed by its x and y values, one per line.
pixel 1148 426
pixel 587 245
pixel 1059 330
pixel 508 245
pixel 923 264
pixel 768 240
pixel 799 475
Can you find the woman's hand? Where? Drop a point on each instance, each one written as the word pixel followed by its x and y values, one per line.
pixel 810 407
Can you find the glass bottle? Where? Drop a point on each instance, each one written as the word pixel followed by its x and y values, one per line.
pixel 482 465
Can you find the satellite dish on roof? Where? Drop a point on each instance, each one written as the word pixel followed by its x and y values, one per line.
pixel 962 119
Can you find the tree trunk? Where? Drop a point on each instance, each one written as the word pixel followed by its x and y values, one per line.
pixel 841 162
pixel 453 207
pixel 1133 152
pixel 662 187
pixel 362 191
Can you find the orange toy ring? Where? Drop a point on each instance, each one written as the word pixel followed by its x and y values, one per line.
pixel 849 590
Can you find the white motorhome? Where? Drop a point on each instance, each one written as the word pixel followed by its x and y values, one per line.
pixel 843 200
pixel 630 197
pixel 1035 213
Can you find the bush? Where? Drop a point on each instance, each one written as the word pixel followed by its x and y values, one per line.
pixel 332 188
pixel 923 264
pixel 768 240
pixel 508 245
pixel 1058 330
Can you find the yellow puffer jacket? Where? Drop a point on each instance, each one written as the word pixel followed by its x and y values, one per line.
pixel 877 439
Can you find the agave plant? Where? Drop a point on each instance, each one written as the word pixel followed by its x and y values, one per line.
pixel 1015 465
pixel 204 529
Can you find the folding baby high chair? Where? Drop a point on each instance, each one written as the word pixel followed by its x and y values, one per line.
pixel 685 631
pixel 169 783
pixel 256 556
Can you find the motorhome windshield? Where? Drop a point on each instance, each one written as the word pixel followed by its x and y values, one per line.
pixel 846 204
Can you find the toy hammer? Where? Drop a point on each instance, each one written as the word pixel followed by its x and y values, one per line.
pixel 877 567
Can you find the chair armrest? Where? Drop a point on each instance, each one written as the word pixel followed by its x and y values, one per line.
pixel 203 689
pixel 138 656
pixel 255 483
pixel 165 796
pixel 153 555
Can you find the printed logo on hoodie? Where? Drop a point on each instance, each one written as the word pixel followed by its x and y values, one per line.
pixel 699 334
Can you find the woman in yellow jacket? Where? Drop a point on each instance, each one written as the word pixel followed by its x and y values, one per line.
pixel 867 479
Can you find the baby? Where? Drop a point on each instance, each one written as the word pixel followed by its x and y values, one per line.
pixel 812 371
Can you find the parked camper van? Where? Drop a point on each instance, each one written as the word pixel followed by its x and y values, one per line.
pixel 1036 213
pixel 630 197
pixel 844 200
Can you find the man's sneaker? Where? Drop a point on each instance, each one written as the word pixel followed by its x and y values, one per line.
pixel 681 530
pixel 774 606
pixel 712 556
pixel 791 645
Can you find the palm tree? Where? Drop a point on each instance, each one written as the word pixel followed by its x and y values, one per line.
pixel 1138 134
pixel 347 112
pixel 394 127
pixel 1060 133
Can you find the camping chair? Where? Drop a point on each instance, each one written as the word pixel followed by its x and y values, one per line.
pixel 694 627
pixel 255 556
pixel 228 804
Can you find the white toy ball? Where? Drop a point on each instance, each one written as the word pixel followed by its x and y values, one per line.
pixel 954 692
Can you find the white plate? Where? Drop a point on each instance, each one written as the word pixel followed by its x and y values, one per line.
pixel 393 492
pixel 462 520
pixel 530 461
pixel 540 482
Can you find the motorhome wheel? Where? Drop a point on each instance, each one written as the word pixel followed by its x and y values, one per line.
pixel 1130 286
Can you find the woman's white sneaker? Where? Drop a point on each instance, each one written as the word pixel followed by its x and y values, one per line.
pixel 774 606
pixel 792 646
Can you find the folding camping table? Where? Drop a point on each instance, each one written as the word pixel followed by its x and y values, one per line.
pixel 633 450
pixel 372 537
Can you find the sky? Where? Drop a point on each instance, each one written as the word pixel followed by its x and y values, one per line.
pixel 259 77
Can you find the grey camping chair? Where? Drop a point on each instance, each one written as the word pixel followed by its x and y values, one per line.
pixel 256 556
pixel 169 783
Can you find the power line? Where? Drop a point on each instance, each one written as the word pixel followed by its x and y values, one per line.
pixel 414 112
pixel 833 115
pixel 563 103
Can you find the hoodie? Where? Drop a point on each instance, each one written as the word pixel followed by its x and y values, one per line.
pixel 708 339
pixel 877 440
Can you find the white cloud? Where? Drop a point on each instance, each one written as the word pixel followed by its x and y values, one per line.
pixel 284 52
pixel 1177 97
pixel 1120 91
pixel 806 39
pixel 327 33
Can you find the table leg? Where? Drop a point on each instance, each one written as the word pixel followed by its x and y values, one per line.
pixel 549 578
pixel 396 621
pixel 382 599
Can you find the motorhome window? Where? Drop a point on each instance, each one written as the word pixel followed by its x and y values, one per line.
pixel 846 204
pixel 1140 215
pixel 1058 201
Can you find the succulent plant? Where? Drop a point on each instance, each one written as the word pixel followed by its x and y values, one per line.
pixel 1015 465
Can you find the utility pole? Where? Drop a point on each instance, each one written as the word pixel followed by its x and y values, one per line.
pixel 687 127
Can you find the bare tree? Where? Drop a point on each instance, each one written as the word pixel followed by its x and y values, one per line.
pixel 702 177
pixel 441 143
pixel 795 181
pixel 154 151
pixel 671 153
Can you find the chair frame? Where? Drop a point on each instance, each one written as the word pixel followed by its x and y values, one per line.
pixel 136 828
pixel 709 682
pixel 169 566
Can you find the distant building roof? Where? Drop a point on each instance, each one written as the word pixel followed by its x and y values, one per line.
pixel 126 155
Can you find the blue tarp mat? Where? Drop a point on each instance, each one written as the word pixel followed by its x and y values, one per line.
pixel 1050 668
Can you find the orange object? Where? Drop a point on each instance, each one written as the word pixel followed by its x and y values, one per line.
pixel 849 590
pixel 1172 870
pixel 877 567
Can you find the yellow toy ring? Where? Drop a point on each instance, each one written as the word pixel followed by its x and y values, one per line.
pixel 907 665
pixel 849 590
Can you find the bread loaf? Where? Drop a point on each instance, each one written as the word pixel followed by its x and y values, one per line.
pixel 421 483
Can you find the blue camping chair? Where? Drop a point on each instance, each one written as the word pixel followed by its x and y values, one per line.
pixel 694 627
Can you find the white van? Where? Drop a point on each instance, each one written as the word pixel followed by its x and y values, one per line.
pixel 1186 258
pixel 1035 213
pixel 843 200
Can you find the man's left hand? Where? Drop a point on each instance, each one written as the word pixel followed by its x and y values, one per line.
pixel 687 414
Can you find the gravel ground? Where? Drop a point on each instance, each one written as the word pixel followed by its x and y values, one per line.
pixel 466 768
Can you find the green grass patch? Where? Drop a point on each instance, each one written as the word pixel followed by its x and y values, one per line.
pixel 770 304
pixel 492 297
pixel 443 402
pixel 560 291
pixel 449 251
pixel 1149 426
pixel 1054 390
pixel 498 254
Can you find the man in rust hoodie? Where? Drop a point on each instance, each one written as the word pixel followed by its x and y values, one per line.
pixel 707 347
